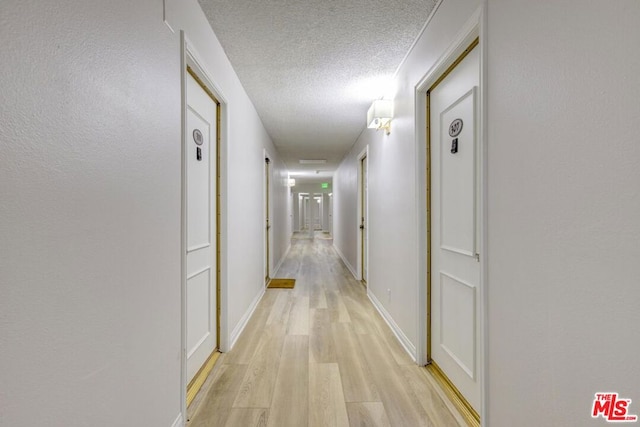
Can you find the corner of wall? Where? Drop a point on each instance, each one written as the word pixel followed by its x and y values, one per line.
pixel 346 263
pixel 284 256
pixel 408 346
pixel 179 422
pixel 235 334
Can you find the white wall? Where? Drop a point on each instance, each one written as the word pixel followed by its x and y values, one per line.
pixel 296 212
pixel 90 214
pixel 563 203
pixel 91 197
pixel 564 209
pixel 394 197
pixel 245 140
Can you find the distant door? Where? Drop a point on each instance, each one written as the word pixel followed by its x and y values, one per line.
pixel 308 215
pixel 267 214
pixel 201 209
pixel 363 217
pixel 301 213
pixel 331 214
pixel 455 268
pixel 317 212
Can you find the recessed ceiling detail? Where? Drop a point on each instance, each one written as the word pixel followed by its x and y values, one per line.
pixel 312 68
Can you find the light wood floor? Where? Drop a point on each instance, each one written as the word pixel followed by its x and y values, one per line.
pixel 318 355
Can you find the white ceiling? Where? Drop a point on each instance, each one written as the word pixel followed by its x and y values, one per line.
pixel 312 68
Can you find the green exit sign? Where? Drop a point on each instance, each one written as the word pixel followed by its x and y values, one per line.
pixel 325 185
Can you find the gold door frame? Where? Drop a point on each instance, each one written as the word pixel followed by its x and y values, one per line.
pixel 471 415
pixel 198 380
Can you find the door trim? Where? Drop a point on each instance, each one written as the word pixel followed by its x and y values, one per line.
pixel 267 240
pixel 467 411
pixel 198 380
pixel 191 64
pixel 361 209
pixel 474 28
pixel 462 405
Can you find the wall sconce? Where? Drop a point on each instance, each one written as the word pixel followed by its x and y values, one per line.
pixel 292 182
pixel 380 114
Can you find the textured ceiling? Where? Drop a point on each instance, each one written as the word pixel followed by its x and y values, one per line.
pixel 312 68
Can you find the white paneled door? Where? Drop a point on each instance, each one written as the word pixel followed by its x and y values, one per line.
pixel 364 223
pixel 331 214
pixel 454 251
pixel 267 215
pixel 201 162
pixel 317 212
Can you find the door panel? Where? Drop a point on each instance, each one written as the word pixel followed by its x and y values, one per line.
pixel 198 187
pixel 201 226
pixel 458 322
pixel 198 320
pixel 455 270
pixel 458 179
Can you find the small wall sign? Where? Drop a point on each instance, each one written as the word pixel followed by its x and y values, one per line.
pixel 454 146
pixel 455 128
pixel 197 137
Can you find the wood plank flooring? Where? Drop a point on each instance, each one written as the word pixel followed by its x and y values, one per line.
pixel 318 355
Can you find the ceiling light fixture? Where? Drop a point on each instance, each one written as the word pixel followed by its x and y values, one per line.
pixel 313 161
pixel 380 114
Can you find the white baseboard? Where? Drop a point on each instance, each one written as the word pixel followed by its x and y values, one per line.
pixel 344 259
pixel 408 346
pixel 245 319
pixel 284 256
pixel 179 422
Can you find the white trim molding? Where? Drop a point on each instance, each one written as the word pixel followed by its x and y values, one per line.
pixel 346 263
pixel 284 256
pixel 179 422
pixel 405 342
pixel 235 334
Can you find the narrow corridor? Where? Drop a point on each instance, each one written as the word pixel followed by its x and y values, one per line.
pixel 318 355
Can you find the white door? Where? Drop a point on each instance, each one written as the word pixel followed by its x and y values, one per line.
pixel 317 212
pixel 201 157
pixel 363 219
pixel 331 214
pixel 455 267
pixel 267 214
pixel 308 215
pixel 303 207
pixel 301 212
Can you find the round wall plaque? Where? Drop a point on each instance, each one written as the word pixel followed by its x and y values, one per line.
pixel 197 136
pixel 455 128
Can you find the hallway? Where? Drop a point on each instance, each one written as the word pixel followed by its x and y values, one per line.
pixel 318 355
